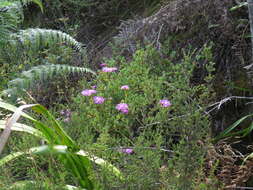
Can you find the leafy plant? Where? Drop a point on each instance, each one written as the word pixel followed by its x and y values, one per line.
pixel 37 38
pixel 243 132
pixel 149 108
pixel 75 160
pixel 25 47
pixel 40 73
pixel 11 14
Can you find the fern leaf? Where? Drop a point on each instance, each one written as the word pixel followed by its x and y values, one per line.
pixel 10 17
pixel 11 14
pixel 41 73
pixel 36 38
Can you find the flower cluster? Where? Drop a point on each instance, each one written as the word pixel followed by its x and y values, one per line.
pixel 109 69
pixel 126 150
pixel 88 92
pixel 67 114
pixel 165 103
pixel 124 87
pixel 98 99
pixel 121 107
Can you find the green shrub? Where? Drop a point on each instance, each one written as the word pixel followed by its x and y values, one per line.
pixel 153 132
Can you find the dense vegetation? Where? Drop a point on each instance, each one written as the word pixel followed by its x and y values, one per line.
pixel 125 95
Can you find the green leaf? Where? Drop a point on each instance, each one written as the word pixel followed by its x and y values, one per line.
pixel 227 132
pixel 239 6
pixel 62 149
pixel 41 73
pixel 39 3
pixel 75 160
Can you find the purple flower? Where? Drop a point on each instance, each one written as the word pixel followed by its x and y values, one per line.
pixel 165 103
pixel 124 87
pixel 66 113
pixel 94 87
pixel 127 150
pixel 123 108
pixel 103 65
pixel 109 69
pixel 88 92
pixel 98 100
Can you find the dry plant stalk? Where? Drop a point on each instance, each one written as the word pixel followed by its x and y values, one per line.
pixel 9 123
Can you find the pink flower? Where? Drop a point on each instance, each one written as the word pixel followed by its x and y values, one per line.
pixel 109 69
pixel 98 99
pixel 94 87
pixel 123 108
pixel 126 150
pixel 103 65
pixel 124 87
pixel 88 92
pixel 165 103
pixel 66 113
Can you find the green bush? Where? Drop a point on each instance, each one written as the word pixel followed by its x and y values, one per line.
pixel 161 137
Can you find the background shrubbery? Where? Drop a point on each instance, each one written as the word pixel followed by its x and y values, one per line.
pixel 152 131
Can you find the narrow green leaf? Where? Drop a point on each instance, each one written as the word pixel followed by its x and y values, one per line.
pixel 233 126
pixel 22 128
pixel 39 3
pixel 239 6
pixel 62 135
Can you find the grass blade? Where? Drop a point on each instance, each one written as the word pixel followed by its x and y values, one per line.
pixel 227 132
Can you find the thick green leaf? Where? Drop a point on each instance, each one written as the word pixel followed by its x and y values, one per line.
pixel 62 149
pixel 74 159
pixel 61 135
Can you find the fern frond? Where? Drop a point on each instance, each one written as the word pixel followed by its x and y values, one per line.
pixel 41 73
pixel 10 17
pixel 11 14
pixel 36 38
